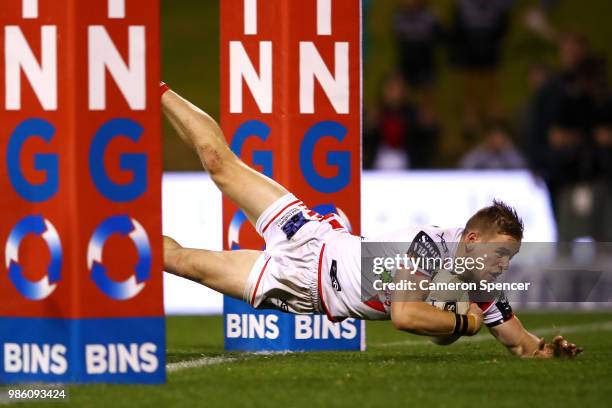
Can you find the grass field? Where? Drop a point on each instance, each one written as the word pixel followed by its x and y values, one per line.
pixel 396 370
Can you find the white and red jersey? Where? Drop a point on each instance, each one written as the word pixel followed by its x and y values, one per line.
pixel 313 264
pixel 345 294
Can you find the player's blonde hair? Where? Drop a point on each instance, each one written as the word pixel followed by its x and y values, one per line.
pixel 499 218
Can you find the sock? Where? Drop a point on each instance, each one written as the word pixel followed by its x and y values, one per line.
pixel 163 88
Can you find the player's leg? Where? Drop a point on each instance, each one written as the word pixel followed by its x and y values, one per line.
pixel 225 271
pixel 248 189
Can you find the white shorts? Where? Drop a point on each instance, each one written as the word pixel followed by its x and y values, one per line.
pixel 286 275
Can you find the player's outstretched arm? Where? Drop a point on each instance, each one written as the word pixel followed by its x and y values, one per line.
pixel 426 320
pixel 522 343
pixel 410 313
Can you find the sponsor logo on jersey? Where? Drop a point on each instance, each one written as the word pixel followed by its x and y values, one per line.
pixel 504 308
pixel 293 225
pixel 423 246
pixel 443 242
pixel 333 274
pixel 449 306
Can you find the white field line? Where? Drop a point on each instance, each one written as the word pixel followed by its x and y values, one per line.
pixel 206 361
pixel 562 330
pixel 200 362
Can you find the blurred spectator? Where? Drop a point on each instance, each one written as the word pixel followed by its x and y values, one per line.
pixel 603 141
pixel 568 142
pixel 574 120
pixel 423 141
pixel 417 31
pixel 480 27
pixel 536 19
pixel 538 75
pixel 545 109
pixel 600 218
pixel 389 126
pixel 603 184
pixel 496 152
pixel 396 136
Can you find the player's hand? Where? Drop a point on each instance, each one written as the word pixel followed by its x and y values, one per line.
pixel 559 348
pixel 475 319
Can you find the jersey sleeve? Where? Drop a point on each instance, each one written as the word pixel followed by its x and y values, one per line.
pixel 496 312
